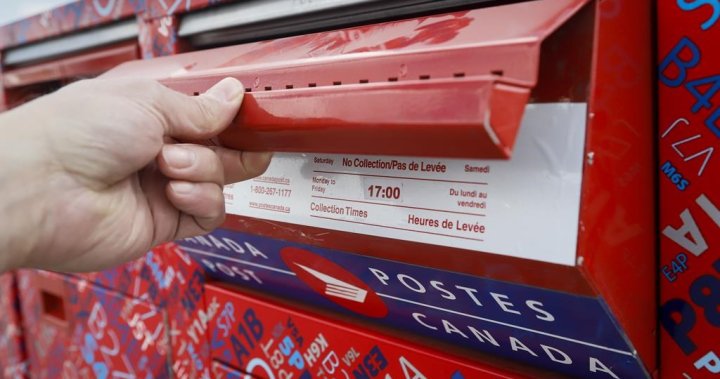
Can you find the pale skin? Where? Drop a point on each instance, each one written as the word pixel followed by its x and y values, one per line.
pixel 99 172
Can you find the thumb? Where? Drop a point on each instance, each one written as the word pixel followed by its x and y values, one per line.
pixel 199 117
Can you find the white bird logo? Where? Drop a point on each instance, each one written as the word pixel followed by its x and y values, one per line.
pixel 338 288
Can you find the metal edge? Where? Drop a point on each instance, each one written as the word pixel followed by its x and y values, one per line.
pixel 117 32
pixel 282 19
pixel 251 12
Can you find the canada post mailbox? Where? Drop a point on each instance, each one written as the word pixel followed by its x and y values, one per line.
pixel 480 178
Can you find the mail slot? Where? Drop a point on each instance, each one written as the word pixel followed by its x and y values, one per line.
pixel 86 64
pixel 34 69
pixel 25 82
pixel 448 85
pixel 537 229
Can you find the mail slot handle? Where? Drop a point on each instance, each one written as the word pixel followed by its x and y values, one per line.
pixel 469 117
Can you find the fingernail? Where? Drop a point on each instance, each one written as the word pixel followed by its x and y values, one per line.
pixel 178 157
pixel 262 157
pixel 257 162
pixel 181 187
pixel 228 89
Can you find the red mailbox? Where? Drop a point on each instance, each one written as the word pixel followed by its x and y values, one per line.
pixel 487 169
pixel 477 180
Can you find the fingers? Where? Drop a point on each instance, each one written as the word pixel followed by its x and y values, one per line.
pixel 202 206
pixel 217 165
pixel 190 162
pixel 242 165
pixel 198 117
pixel 197 175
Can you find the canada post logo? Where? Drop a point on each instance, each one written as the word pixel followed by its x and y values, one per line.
pixel 334 282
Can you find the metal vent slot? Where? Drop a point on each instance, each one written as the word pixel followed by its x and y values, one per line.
pixel 257 20
pixel 53 306
pixel 391 79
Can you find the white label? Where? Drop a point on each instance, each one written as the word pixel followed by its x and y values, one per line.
pixel 525 207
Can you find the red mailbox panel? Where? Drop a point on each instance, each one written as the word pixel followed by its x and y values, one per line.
pixel 448 85
pixel 689 176
pixel 77 329
pixel 86 64
pixel 268 340
pixel 170 280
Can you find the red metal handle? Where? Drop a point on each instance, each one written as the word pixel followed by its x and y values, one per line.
pixel 457 117
pixel 450 85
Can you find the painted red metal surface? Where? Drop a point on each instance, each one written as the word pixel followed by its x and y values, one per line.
pixel 270 340
pixel 13 364
pixel 26 83
pixel 165 285
pixel 453 84
pixel 158 37
pixel 84 14
pixel 221 371
pixel 173 283
pixel 75 16
pixel 77 329
pixel 689 177
pixel 353 119
pixel 616 242
pixel 85 64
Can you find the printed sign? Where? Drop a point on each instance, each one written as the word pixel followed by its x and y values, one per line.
pixel 563 332
pixel 497 206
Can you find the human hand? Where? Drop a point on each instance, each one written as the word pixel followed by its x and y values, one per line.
pixel 95 174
